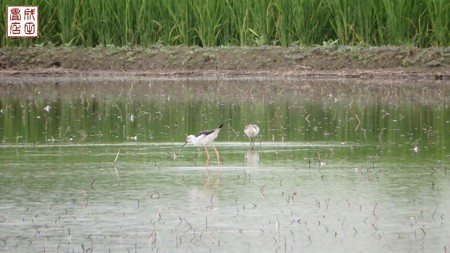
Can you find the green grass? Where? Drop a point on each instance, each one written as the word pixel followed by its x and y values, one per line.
pixel 89 23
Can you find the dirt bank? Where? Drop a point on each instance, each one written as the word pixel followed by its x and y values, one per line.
pixel 333 62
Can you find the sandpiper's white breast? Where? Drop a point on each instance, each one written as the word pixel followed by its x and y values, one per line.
pixel 251 130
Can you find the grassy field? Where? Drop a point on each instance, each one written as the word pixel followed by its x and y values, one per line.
pixel 89 23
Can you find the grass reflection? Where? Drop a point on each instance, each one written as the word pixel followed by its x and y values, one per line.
pixel 411 116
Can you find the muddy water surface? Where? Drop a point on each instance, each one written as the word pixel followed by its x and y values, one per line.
pixel 338 166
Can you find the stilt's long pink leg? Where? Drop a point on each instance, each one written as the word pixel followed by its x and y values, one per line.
pixel 207 154
pixel 207 159
pixel 217 155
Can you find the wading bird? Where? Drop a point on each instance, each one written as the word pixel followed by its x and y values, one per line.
pixel 251 130
pixel 205 138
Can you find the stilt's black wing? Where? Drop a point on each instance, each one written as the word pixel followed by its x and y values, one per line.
pixel 207 132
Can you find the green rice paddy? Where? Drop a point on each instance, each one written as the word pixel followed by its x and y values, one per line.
pixel 90 23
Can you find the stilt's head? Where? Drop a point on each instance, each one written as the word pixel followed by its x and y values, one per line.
pixel 189 139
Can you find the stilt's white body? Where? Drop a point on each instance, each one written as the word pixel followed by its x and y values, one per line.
pixel 204 139
pixel 251 130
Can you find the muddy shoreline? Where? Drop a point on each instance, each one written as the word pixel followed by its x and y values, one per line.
pixel 387 64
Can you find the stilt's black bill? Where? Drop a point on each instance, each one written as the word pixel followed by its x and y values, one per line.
pixel 183 144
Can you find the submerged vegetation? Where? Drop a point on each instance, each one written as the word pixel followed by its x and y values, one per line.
pixel 421 23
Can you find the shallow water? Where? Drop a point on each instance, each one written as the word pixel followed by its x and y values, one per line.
pixel 335 168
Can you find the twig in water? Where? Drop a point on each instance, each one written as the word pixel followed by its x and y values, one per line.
pixel 359 122
pixel 424 234
pixel 262 190
pixel 277 228
pixel 69 237
pixel 115 161
pixel 117 156
pixel 432 216
pixel 293 195
pixel 307 119
pixel 116 171
pixel 356 231
pixel 190 226
pixel 157 217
